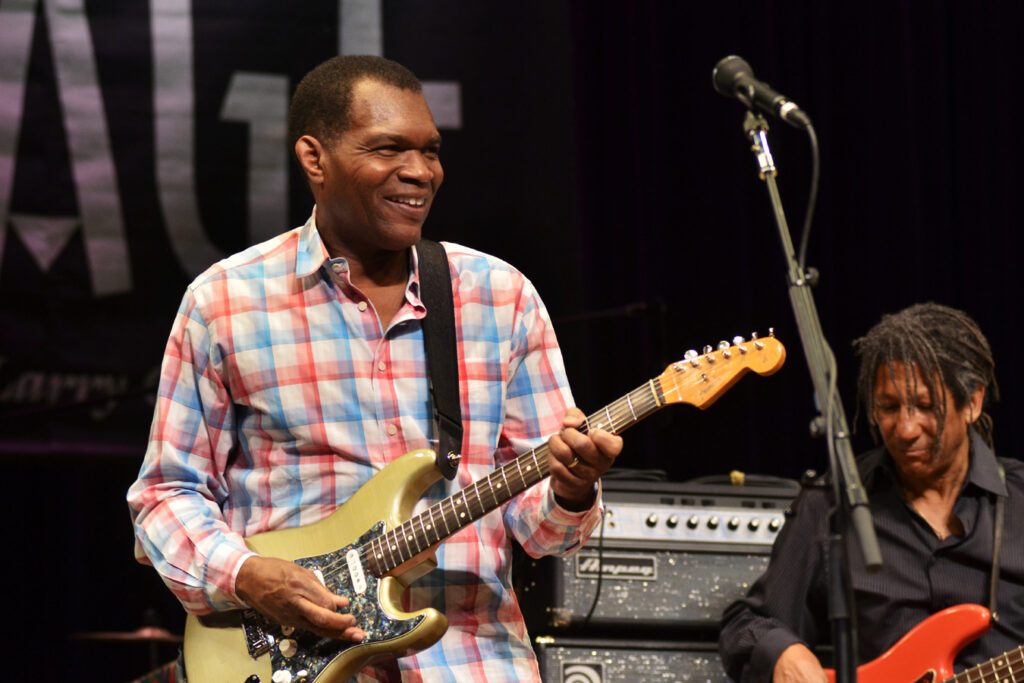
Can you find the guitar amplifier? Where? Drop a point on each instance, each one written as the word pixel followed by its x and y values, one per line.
pixel 670 556
pixel 578 660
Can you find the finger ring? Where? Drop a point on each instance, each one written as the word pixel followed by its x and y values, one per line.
pixel 575 461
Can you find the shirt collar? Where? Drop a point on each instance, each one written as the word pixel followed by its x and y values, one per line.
pixel 313 255
pixel 311 250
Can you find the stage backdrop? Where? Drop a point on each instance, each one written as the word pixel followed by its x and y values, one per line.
pixel 583 142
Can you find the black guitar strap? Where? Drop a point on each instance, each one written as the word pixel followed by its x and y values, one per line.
pixel 441 352
pixel 997 545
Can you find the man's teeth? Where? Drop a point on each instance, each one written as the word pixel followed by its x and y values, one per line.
pixel 410 201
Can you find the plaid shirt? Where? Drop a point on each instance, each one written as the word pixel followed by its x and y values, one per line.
pixel 280 396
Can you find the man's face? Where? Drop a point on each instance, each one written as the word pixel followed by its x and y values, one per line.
pixel 380 175
pixel 908 420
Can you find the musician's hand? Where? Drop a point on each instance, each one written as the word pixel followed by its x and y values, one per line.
pixel 797 664
pixel 292 595
pixel 578 460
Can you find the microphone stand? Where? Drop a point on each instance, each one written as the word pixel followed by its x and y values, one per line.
pixel 851 500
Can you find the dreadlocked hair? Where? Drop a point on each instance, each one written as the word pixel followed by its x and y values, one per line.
pixel 939 342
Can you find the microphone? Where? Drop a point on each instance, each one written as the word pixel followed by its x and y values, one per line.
pixel 733 77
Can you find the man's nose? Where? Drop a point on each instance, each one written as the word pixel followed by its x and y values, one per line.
pixel 908 422
pixel 417 168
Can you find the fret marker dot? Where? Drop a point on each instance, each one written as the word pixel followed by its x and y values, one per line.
pixel 462 514
pixel 428 526
pixel 394 547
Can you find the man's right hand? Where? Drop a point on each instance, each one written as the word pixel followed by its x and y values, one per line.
pixel 293 596
pixel 797 664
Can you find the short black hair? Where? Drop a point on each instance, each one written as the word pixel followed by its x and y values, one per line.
pixel 940 342
pixel 321 103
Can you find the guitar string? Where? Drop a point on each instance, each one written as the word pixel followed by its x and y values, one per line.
pixel 1010 666
pixel 388 542
pixel 625 414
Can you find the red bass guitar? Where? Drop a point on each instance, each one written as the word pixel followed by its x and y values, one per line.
pixel 925 654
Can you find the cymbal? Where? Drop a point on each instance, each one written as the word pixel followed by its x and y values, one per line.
pixel 146 634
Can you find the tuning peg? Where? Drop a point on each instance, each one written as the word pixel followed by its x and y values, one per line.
pixel 723 345
pixel 692 356
pixel 737 340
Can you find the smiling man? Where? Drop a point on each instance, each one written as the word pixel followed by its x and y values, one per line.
pixel 926 375
pixel 295 372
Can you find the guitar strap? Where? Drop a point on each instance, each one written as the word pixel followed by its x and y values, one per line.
pixel 441 351
pixel 997 545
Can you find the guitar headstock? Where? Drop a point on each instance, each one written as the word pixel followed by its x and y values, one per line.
pixel 701 378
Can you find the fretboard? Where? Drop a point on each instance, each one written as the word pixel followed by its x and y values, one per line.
pixel 1006 668
pixel 399 545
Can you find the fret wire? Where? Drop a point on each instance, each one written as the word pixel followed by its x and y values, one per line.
pixel 479 501
pixel 444 518
pixel 504 478
pixel 399 535
pixel 493 478
pixel 423 533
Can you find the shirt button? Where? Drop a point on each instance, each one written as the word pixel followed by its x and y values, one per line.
pixel 337 267
pixel 381 366
pixel 392 430
pixel 362 305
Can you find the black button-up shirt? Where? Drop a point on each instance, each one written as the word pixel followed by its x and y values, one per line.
pixel 920 574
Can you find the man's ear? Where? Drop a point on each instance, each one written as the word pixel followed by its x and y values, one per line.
pixel 975 403
pixel 309 152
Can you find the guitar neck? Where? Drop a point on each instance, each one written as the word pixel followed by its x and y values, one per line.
pixel 441 520
pixel 1008 666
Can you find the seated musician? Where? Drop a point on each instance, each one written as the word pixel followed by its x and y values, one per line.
pixel 926 376
pixel 296 371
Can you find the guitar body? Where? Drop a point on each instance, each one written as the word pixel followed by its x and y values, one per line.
pixel 217 647
pixel 925 654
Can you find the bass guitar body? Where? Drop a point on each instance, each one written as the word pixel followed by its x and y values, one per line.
pixel 242 647
pixel 926 653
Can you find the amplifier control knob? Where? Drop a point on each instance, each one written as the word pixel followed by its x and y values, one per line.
pixel 775 524
pixel 652 520
pixel 734 524
pixel 693 521
pixel 713 522
pixel 754 524
pixel 672 521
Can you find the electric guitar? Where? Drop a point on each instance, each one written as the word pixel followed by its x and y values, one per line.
pixel 925 654
pixel 370 549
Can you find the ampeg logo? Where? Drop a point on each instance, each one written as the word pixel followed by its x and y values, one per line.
pixel 633 567
pixel 581 673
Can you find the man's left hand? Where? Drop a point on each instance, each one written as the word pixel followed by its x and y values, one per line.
pixel 578 460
